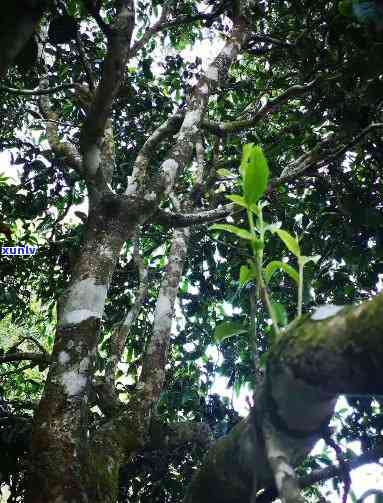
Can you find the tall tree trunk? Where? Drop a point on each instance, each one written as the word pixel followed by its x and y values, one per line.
pixel 59 436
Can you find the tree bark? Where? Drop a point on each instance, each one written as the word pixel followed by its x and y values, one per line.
pixel 334 351
pixel 59 438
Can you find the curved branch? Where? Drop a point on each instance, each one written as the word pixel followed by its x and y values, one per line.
pixel 221 128
pixel 314 159
pixel 299 395
pixel 176 219
pixel 370 492
pixel 169 127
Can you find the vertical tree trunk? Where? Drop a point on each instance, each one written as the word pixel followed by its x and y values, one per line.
pixel 59 436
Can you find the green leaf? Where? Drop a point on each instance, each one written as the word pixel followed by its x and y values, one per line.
pixel 237 200
pixel 242 233
pixel 225 173
pixel 290 242
pixel 245 275
pixel 255 173
pixel 276 265
pixel 228 329
pixel 246 151
pixel 184 286
pixel 280 313
pixel 305 260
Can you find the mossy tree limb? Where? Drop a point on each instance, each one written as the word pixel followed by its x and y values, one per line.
pixel 309 367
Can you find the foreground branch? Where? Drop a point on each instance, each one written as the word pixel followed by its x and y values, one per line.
pixel 334 351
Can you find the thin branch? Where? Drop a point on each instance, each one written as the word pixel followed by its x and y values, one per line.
pixel 342 150
pixel 370 492
pixel 313 159
pixel 176 219
pixel 270 106
pixel 298 168
pixel 121 332
pixel 323 474
pixel 162 24
pixel 158 26
pixel 27 338
pixel 37 92
pixel 18 357
pixel 328 472
pixel 148 150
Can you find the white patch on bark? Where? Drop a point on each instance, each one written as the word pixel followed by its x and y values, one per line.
pixel 323 312
pixel 85 300
pixel 128 319
pixel 204 89
pixel 63 357
pixel 192 118
pixel 106 252
pixel 150 197
pixel 162 314
pixel 212 73
pixel 84 364
pixel 73 382
pixel 131 189
pixel 169 168
pixel 228 49
pixel 92 159
pixel 284 470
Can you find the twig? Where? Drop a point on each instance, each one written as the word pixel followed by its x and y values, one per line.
pixel 36 92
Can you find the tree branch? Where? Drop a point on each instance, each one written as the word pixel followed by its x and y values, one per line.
pixel 270 106
pixel 119 37
pixel 216 74
pixel 36 92
pixel 175 219
pixel 64 150
pixel 169 127
pixel 314 159
pixel 37 358
pixel 158 26
pixel 298 396
pixel 323 474
pixel 121 332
